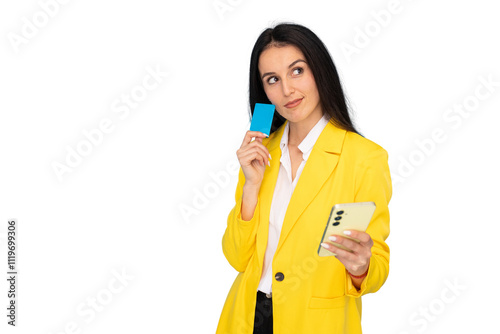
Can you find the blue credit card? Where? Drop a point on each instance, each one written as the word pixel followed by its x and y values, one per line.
pixel 262 118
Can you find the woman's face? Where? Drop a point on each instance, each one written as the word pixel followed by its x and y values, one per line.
pixel 289 84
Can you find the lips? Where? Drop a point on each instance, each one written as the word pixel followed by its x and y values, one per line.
pixel 293 104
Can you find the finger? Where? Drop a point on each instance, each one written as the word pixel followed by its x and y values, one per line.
pixel 343 255
pixel 263 149
pixel 252 134
pixel 363 237
pixel 254 153
pixel 247 158
pixel 347 243
pixel 258 139
pixel 351 261
pixel 255 148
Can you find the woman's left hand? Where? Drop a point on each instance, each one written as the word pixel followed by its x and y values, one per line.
pixel 358 261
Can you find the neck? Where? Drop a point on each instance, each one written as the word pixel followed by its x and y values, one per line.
pixel 299 130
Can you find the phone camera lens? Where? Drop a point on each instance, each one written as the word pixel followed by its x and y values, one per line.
pixel 340 212
pixel 338 218
pixel 336 223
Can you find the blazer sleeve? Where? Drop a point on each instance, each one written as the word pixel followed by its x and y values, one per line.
pixel 239 240
pixel 373 183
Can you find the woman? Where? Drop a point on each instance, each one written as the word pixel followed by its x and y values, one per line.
pixel 288 182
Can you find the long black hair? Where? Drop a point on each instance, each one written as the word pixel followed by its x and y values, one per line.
pixel 325 74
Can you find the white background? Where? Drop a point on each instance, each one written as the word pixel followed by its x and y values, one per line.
pixel 120 208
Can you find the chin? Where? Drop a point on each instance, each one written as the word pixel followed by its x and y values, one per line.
pixel 296 117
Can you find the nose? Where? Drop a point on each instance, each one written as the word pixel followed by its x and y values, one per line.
pixel 287 87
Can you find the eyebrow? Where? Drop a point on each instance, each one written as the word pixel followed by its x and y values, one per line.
pixel 289 66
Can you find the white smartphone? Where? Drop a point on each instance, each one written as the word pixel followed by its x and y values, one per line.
pixel 346 216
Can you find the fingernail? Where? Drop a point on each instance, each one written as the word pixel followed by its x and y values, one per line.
pixel 332 238
pixel 347 232
pixel 270 156
pixel 269 163
pixel 265 134
pixel 325 245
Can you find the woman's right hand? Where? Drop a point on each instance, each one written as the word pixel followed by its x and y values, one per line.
pixel 253 157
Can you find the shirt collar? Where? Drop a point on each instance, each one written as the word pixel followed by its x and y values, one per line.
pixel 308 142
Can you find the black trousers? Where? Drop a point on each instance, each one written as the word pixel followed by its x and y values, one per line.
pixel 263 322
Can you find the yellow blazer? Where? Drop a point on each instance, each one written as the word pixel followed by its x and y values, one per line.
pixel 316 295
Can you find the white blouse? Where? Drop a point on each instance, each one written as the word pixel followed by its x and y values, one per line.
pixel 282 194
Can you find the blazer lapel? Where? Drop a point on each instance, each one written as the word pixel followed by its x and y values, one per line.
pixel 319 166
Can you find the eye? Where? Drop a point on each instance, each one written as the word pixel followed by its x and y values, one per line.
pixel 272 80
pixel 298 70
